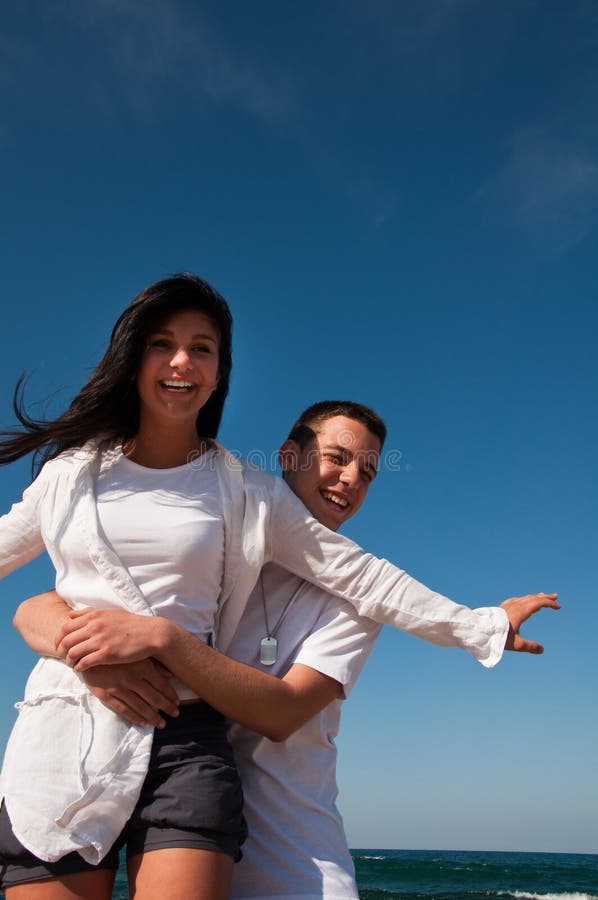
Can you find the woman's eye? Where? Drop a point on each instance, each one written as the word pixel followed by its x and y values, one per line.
pixel 159 344
pixel 201 348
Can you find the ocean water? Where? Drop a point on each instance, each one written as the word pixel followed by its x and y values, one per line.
pixel 472 875
pixel 466 875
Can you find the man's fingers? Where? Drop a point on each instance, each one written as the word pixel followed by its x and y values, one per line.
pixel 68 638
pixel 80 659
pixel 73 650
pixel 77 619
pixel 77 613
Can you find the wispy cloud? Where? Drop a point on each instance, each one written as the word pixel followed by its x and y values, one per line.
pixel 149 47
pixel 547 189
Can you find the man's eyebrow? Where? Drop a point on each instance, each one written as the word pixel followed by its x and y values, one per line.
pixel 367 455
pixel 335 448
pixel 373 471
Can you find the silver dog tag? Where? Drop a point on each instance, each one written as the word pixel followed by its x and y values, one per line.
pixel 268 648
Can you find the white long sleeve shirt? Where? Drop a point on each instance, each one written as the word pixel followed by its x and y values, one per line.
pixel 73 770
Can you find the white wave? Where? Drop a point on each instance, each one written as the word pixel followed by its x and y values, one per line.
pixel 527 895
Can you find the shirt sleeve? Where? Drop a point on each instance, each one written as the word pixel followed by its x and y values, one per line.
pixel 20 530
pixel 339 643
pixel 376 588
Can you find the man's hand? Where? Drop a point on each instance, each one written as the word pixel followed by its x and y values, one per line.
pixel 518 610
pixel 136 691
pixel 94 637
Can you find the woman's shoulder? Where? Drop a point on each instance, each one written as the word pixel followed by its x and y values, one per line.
pixel 253 472
pixel 246 472
pixel 75 458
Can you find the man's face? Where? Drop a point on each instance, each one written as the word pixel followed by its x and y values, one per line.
pixel 332 474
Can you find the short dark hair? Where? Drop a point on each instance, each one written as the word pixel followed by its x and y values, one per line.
pixel 108 405
pixel 306 427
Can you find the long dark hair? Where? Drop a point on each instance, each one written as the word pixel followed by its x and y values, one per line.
pixel 108 405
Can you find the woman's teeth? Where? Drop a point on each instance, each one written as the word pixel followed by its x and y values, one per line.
pixel 178 385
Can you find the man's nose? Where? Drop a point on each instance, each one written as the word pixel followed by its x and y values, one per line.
pixel 351 475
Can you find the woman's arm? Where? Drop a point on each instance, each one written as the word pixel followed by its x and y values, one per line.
pixel 384 593
pixel 20 531
pixel 274 707
pixel 136 691
pixel 94 640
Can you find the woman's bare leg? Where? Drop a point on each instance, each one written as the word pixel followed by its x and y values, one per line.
pixel 176 872
pixel 78 886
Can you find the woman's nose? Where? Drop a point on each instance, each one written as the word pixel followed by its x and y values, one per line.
pixel 181 359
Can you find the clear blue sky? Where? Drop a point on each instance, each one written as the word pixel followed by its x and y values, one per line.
pixel 400 201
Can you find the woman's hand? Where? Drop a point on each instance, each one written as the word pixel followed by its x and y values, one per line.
pixel 93 637
pixel 136 691
pixel 518 610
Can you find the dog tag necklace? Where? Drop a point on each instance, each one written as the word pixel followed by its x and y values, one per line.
pixel 269 643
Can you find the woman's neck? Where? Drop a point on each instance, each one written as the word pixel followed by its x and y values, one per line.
pixel 157 450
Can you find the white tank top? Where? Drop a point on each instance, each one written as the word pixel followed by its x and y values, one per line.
pixel 167 528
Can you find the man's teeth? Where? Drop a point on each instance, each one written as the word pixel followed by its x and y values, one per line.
pixel 178 384
pixel 340 501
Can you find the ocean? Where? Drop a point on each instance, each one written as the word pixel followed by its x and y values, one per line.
pixel 466 875
pixel 473 875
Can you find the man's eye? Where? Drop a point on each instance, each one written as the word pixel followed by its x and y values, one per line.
pixel 333 458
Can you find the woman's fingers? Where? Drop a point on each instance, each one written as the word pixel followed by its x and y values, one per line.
pixel 130 690
pixel 519 610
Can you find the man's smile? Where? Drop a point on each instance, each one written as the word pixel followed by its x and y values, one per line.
pixel 336 499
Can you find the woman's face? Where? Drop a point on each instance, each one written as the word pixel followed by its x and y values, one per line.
pixel 179 369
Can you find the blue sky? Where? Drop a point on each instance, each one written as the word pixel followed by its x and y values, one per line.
pixel 400 202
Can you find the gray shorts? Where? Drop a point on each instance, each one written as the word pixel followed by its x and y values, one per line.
pixel 191 797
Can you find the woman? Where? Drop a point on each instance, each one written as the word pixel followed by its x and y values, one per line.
pixel 139 508
pixel 116 465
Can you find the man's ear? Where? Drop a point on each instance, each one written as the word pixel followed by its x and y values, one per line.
pixel 288 457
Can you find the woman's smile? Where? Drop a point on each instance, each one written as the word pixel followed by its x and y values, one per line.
pixel 179 369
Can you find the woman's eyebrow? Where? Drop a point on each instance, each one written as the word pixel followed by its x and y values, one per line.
pixel 204 337
pixel 194 337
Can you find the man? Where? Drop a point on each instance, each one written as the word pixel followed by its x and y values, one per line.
pixel 296 844
pixel 294 657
